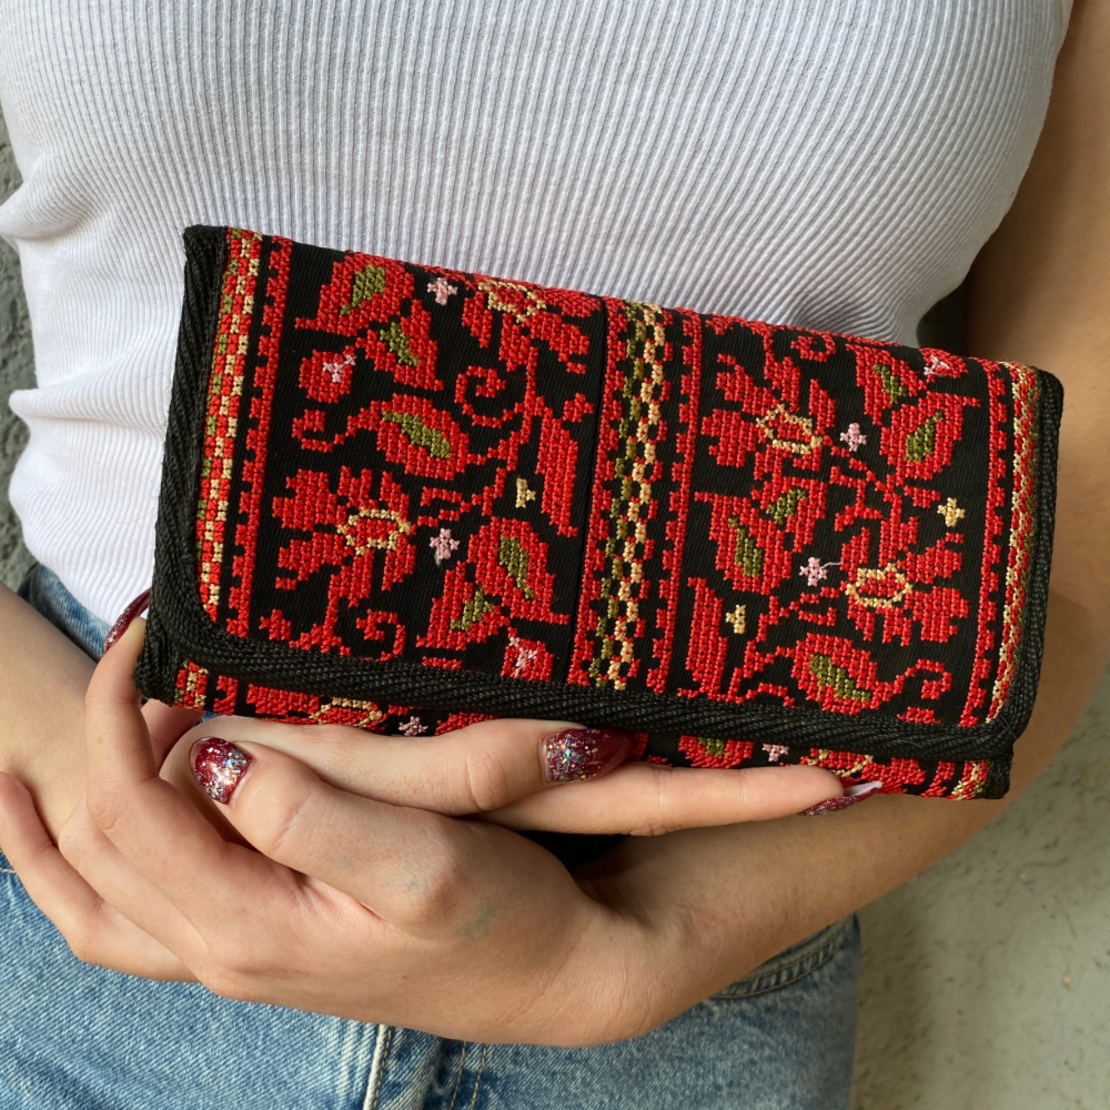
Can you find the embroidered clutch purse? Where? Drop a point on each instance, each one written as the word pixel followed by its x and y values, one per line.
pixel 407 498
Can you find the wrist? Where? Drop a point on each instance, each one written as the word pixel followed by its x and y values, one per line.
pixel 43 677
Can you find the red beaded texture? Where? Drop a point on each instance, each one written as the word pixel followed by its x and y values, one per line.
pixel 434 467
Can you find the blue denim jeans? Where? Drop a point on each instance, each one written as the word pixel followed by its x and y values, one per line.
pixel 74 1037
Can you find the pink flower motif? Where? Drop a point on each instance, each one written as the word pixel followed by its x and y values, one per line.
pixel 334 370
pixel 814 571
pixel 443 545
pixel 936 364
pixel 524 655
pixel 442 288
pixel 853 438
pixel 775 752
pixel 413 727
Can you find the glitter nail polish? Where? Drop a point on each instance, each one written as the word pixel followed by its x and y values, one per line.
pixel 123 621
pixel 583 753
pixel 218 766
pixel 853 795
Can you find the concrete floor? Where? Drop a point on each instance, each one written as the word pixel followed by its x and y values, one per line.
pixel 986 981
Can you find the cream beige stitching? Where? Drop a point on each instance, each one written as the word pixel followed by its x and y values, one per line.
pixel 458 1078
pixel 478 1077
pixel 377 1067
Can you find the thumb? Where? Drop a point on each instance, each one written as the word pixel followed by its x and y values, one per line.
pixel 394 860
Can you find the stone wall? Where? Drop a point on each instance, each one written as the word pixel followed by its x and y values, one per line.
pixel 16 371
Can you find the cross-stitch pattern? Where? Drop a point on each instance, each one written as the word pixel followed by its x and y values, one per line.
pixel 813 540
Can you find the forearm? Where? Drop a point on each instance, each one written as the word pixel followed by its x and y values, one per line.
pixel 725 899
pixel 43 678
pixel 1039 294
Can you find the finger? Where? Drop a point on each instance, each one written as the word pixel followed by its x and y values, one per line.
pixel 645 799
pixel 472 770
pixel 101 864
pixel 158 832
pixel 95 932
pixel 404 864
pixel 500 768
pixel 118 728
pixel 177 771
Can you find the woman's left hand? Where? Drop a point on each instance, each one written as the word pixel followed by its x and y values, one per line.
pixel 351 906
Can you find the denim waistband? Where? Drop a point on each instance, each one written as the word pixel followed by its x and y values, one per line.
pixel 43 589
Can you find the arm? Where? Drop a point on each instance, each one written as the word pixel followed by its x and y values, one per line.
pixel 43 678
pixel 1039 293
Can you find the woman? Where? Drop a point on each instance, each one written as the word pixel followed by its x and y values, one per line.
pixel 828 164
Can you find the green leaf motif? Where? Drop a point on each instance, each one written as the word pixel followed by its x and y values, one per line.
pixel 472 612
pixel 892 385
pixel 832 674
pixel 711 746
pixel 367 283
pixel 431 439
pixel 921 442
pixel 748 555
pixel 396 340
pixel 513 556
pixel 786 506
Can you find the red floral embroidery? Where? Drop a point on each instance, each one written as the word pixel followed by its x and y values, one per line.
pixel 870 568
pixel 765 516
pixel 364 522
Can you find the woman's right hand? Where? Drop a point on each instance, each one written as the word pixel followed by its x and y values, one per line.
pixel 348 906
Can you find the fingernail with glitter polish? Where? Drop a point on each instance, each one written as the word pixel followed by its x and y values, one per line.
pixel 583 753
pixel 852 795
pixel 123 621
pixel 219 767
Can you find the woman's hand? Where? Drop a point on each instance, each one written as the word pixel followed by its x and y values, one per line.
pixel 356 907
pixel 368 900
pixel 507 772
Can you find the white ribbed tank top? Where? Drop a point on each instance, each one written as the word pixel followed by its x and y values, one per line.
pixel 826 163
